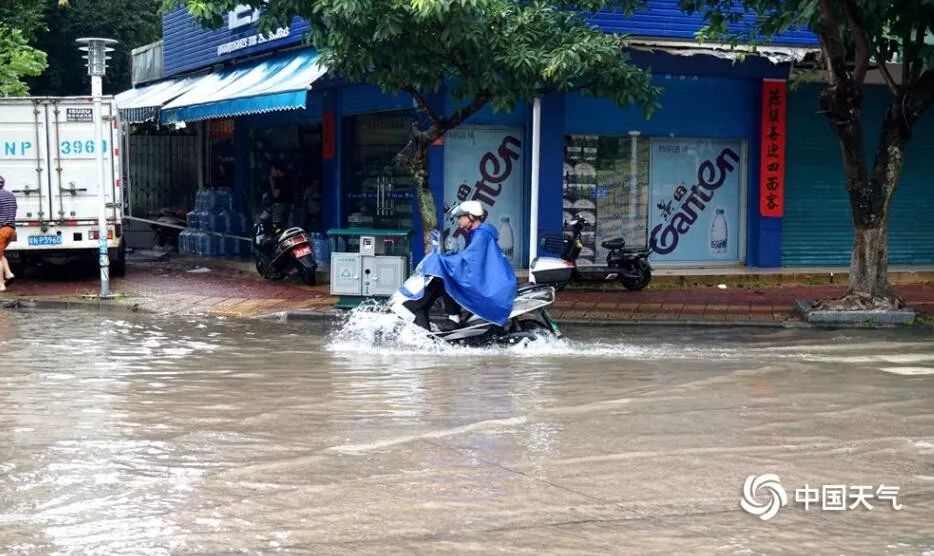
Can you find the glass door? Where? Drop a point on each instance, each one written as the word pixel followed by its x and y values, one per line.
pixel 379 194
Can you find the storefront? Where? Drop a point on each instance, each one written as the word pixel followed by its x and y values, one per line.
pixel 697 182
pixel 818 225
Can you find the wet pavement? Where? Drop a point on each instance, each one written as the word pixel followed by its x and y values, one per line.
pixel 185 285
pixel 139 434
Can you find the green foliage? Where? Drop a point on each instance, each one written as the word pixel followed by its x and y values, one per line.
pixel 495 52
pixel 26 16
pixel 132 22
pixel 892 28
pixel 17 60
pixel 20 21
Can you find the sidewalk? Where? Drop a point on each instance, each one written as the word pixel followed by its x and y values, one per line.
pixel 196 286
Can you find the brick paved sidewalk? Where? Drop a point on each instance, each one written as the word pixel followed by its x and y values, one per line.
pixel 235 290
pixel 706 303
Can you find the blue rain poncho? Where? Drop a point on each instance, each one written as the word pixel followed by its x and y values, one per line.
pixel 479 277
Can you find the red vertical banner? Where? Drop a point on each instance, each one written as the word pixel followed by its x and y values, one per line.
pixel 328 136
pixel 772 156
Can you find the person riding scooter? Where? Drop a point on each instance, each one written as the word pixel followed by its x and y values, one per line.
pixel 479 278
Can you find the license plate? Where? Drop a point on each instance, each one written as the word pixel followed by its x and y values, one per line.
pixel 45 240
pixel 302 251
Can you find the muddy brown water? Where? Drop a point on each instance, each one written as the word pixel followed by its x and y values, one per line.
pixel 134 434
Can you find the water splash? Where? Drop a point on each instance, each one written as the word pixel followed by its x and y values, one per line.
pixel 371 329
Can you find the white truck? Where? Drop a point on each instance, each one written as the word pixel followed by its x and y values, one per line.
pixel 48 158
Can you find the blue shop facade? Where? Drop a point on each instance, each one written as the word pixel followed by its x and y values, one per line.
pixel 690 181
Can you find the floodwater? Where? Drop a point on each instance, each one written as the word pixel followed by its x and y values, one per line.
pixel 126 434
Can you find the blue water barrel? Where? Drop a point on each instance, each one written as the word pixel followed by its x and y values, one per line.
pixel 203 244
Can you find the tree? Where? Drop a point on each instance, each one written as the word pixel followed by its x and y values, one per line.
pixel 132 22
pixel 854 36
pixel 19 22
pixel 490 52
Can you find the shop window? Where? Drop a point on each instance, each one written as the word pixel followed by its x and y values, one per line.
pixel 606 181
pixel 680 197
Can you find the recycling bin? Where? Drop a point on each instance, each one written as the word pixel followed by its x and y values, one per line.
pixel 368 262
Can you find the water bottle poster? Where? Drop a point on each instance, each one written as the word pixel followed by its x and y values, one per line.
pixel 695 207
pixel 485 164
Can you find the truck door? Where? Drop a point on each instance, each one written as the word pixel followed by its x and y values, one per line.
pixel 74 187
pixel 24 158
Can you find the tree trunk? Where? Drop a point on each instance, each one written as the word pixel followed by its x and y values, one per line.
pixel 414 158
pixel 869 263
pixel 870 198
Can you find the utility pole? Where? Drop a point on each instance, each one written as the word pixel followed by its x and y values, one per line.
pixel 97 49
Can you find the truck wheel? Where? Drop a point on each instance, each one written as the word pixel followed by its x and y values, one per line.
pixel 118 269
pixel 118 265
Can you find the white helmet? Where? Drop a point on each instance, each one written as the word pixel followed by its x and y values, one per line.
pixel 473 208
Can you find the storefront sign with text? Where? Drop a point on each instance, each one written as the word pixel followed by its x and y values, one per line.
pixel 695 195
pixel 485 164
pixel 772 157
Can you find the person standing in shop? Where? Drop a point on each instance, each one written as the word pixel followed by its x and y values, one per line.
pixel 278 200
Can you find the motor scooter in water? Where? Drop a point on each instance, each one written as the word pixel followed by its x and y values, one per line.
pixel 528 320
pixel 628 266
pixel 279 253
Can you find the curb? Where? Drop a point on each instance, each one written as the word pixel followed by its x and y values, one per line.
pixel 301 315
pixel 28 303
pixel 674 323
pixel 331 315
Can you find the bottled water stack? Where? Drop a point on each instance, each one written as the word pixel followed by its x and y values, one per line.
pixel 214 212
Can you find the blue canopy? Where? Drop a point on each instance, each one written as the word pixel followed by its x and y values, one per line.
pixel 143 104
pixel 279 83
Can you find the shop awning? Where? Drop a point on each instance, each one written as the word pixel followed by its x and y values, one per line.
pixel 143 104
pixel 774 53
pixel 279 83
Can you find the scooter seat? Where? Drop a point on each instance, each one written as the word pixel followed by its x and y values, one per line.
pixel 291 232
pixel 614 244
pixel 526 286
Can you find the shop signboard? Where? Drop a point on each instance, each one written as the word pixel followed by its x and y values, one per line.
pixel 486 164
pixel 772 157
pixel 188 46
pixel 695 200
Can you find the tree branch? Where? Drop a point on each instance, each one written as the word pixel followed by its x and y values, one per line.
pixel 922 94
pixel 465 112
pixel 423 104
pixel 860 42
pixel 459 62
pixel 832 44
pixel 917 64
pixel 886 74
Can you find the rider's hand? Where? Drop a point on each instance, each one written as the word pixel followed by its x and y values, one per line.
pixel 435 238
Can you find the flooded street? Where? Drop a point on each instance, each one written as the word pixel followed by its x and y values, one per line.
pixel 134 434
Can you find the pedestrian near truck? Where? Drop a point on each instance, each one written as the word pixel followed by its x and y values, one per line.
pixel 7 232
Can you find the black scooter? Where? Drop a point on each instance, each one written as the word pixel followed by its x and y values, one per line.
pixel 628 266
pixel 279 253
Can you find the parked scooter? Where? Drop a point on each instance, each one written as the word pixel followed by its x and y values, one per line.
pixel 279 253
pixel 165 237
pixel 628 266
